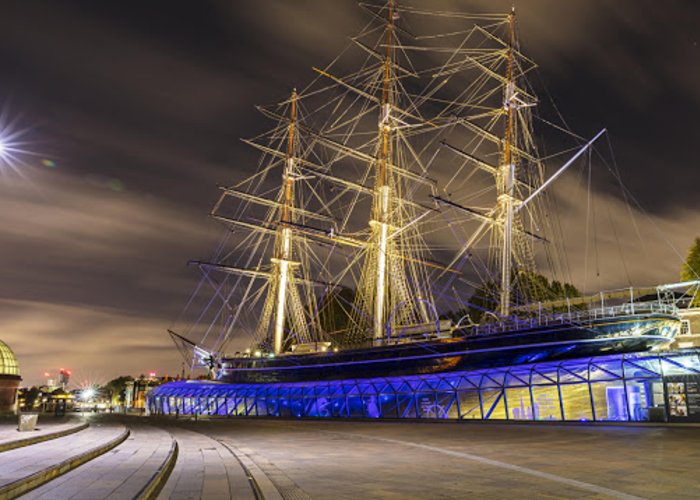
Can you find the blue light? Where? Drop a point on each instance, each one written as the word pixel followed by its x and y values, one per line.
pixel 485 393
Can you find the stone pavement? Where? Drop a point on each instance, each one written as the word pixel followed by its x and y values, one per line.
pixel 121 473
pixel 205 469
pixel 299 460
pixel 326 459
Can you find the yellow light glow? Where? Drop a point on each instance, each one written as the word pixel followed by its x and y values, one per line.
pixel 282 289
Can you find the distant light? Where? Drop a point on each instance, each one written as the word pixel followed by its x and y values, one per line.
pixel 47 374
pixel 13 146
pixel 87 393
pixel 152 374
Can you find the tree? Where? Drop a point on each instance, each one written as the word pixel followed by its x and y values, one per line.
pixel 527 288
pixel 691 267
pixel 30 398
pixel 117 388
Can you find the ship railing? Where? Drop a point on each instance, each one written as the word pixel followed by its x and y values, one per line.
pixel 571 317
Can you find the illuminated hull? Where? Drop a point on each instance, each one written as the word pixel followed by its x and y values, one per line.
pixel 631 333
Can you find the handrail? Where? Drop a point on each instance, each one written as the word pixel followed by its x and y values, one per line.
pixel 571 316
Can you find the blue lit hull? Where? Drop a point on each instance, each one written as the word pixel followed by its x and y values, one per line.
pixel 620 334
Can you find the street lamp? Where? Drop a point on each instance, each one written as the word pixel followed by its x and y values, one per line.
pixel 87 394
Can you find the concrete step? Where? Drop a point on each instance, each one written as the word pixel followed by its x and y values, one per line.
pixel 134 469
pixel 11 438
pixel 24 469
pixel 205 469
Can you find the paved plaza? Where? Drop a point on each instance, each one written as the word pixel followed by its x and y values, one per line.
pixel 141 457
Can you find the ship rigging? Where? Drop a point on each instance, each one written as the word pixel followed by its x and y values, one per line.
pixel 359 231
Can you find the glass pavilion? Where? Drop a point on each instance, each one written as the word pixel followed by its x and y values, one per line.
pixel 624 387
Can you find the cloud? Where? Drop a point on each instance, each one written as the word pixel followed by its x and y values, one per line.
pixel 143 111
pixel 74 244
pixel 104 342
pixel 615 244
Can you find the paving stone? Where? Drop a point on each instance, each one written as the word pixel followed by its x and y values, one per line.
pixel 120 473
pixel 340 459
pixel 205 469
pixel 22 462
pixel 404 460
pixel 46 425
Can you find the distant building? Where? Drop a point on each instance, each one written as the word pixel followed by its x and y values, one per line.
pixel 689 336
pixel 9 379
pixel 137 390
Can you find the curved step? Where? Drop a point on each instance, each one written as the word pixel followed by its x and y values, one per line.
pixel 137 468
pixel 260 481
pixel 11 444
pixel 155 485
pixel 27 468
pixel 205 469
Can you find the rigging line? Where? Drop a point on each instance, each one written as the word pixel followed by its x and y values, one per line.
pixel 561 129
pixel 464 253
pixel 619 246
pixel 542 85
pixel 189 302
pixel 244 299
pixel 479 142
pixel 205 309
pixel 454 53
pixel 588 214
pixel 560 261
pixel 595 228
pixel 681 258
pixel 367 29
pixel 476 93
pixel 200 283
pixel 450 14
pixel 628 205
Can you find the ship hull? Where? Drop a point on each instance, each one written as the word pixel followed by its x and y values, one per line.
pixel 518 346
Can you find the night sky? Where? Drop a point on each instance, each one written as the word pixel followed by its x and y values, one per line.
pixel 134 110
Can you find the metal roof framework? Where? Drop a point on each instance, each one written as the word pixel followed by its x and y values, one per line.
pixel 616 387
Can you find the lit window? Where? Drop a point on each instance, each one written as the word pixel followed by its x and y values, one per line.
pixel 685 327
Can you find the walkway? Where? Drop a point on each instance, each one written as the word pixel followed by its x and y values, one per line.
pixel 205 469
pixel 10 436
pixel 121 473
pixel 301 460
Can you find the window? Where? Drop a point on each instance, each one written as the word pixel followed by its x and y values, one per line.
pixel 685 327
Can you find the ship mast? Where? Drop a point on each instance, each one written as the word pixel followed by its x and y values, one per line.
pixel 282 260
pixel 505 179
pixel 380 221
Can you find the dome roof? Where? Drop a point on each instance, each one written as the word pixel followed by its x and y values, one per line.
pixel 8 362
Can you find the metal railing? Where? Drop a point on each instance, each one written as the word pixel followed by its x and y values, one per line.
pixel 572 316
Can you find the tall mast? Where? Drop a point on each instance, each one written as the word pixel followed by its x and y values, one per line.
pixel 282 259
pixel 506 177
pixel 380 220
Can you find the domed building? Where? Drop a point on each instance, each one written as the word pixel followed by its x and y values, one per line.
pixel 9 379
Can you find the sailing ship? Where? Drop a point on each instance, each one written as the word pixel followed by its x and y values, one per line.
pixel 355 250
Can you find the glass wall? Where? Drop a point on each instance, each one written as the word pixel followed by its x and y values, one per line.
pixel 625 387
